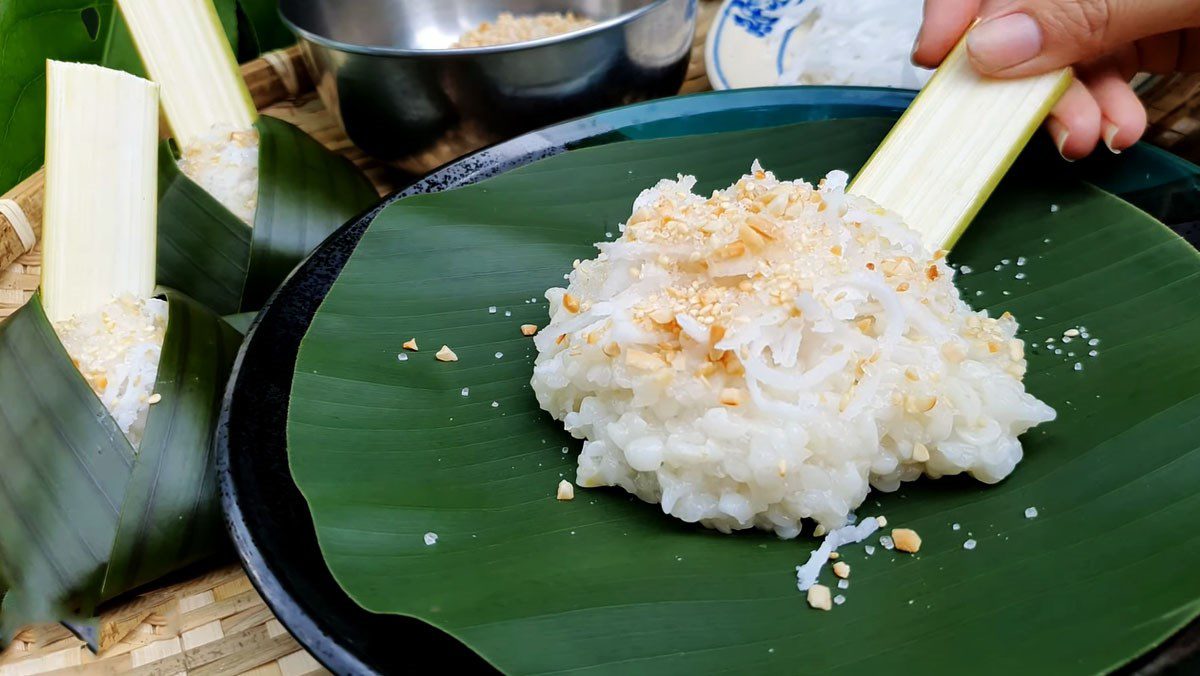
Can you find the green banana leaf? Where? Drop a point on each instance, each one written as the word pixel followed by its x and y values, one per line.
pixel 262 28
pixel 240 322
pixel 31 31
pixel 386 450
pixel 305 193
pixel 87 518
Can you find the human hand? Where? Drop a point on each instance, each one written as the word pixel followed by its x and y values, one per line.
pixel 1107 41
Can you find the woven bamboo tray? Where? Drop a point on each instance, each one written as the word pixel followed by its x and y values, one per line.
pixel 217 623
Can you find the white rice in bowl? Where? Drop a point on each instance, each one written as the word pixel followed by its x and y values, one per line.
pixel 767 354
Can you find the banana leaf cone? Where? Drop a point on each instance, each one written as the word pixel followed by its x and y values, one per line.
pixel 305 193
pixel 84 517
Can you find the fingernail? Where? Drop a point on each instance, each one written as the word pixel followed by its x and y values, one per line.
pixel 1110 133
pixel 1004 42
pixel 1060 134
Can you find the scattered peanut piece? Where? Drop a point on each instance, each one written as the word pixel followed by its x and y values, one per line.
pixel 882 521
pixel 528 329
pixel 410 344
pixel 906 540
pixel 154 398
pixel 834 556
pixel 566 491
pixel 570 303
pixel 819 597
pixel 841 569
pixel 445 354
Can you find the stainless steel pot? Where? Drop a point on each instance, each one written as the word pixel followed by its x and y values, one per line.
pixel 386 68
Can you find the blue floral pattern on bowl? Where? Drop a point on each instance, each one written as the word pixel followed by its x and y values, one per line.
pixel 758 17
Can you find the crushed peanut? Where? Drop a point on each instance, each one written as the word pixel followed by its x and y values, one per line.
pixel 154 398
pixel 819 597
pixel 906 540
pixel 446 354
pixel 509 29
pixel 529 329
pixel 410 344
pixel 841 569
pixel 566 491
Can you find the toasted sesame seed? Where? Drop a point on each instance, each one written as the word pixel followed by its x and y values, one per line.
pixel 154 398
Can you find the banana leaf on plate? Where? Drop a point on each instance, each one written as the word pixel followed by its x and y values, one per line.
pixel 608 584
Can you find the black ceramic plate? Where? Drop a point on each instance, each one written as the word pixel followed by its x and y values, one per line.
pixel 267 516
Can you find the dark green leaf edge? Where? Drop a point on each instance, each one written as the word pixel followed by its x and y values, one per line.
pixel 171 516
pixel 305 193
pixel 203 249
pixel 76 546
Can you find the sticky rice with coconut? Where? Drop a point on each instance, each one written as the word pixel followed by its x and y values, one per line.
pixel 225 163
pixel 117 349
pixel 767 354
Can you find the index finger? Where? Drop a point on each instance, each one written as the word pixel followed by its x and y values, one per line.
pixel 945 23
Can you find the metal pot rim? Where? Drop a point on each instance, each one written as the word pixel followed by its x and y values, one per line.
pixel 371 50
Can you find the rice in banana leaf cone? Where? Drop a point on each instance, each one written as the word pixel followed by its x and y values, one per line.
pixel 110 385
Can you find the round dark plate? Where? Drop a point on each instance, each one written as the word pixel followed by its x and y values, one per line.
pixel 269 519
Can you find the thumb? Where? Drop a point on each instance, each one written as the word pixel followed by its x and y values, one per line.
pixel 1027 37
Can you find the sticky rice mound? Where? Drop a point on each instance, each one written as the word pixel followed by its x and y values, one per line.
pixel 225 163
pixel 117 349
pixel 767 354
